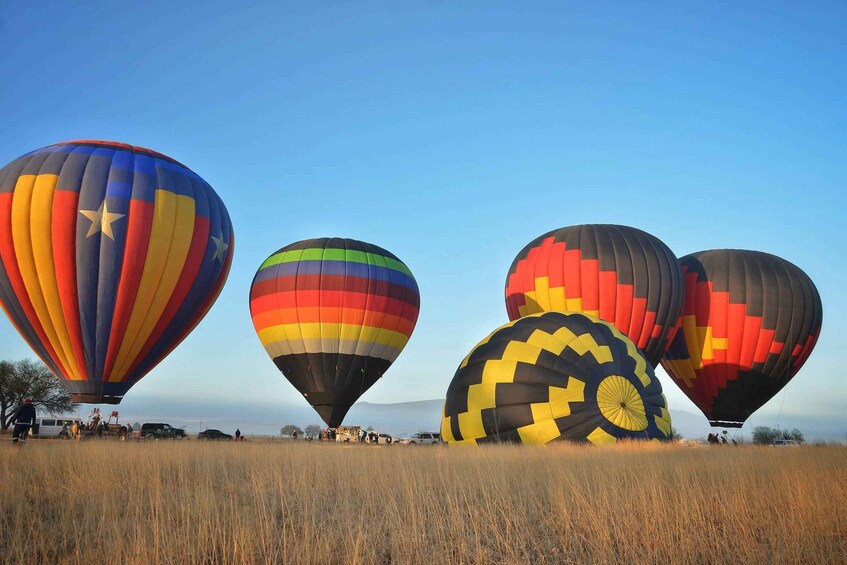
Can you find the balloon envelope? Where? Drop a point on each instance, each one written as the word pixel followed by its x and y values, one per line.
pixel 750 321
pixel 109 256
pixel 619 274
pixel 555 376
pixel 333 314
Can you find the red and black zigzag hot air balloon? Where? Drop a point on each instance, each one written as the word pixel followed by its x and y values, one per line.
pixel 619 274
pixel 750 321
pixel 110 255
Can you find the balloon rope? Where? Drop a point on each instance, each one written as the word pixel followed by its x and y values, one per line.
pixel 790 360
pixel 779 415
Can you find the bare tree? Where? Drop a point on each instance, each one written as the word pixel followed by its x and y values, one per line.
pixel 30 379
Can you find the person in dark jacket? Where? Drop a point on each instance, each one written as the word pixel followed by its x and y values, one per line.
pixel 24 420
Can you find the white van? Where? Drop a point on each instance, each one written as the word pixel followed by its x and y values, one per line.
pixel 51 426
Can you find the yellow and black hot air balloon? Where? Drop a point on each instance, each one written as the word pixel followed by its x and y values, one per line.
pixel 619 274
pixel 750 321
pixel 110 255
pixel 555 376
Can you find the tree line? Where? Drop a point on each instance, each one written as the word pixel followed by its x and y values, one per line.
pixel 310 430
pixel 764 435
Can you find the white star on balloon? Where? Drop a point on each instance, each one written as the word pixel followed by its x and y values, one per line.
pixel 101 220
pixel 220 248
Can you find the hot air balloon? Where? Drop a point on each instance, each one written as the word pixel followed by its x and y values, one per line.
pixel 333 314
pixel 750 321
pixel 619 274
pixel 555 376
pixel 109 256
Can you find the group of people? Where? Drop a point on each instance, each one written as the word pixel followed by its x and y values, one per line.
pixel 369 437
pixel 715 439
pixel 95 426
pixel 364 436
pixel 76 429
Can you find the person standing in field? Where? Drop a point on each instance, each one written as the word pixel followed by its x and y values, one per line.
pixel 24 420
pixel 237 434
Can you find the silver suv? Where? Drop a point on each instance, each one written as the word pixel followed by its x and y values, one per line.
pixel 422 437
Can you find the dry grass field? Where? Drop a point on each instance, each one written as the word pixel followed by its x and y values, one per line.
pixel 190 502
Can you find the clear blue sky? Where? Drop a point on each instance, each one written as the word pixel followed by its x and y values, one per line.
pixel 453 133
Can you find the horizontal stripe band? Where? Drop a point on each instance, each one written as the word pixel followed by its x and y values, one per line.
pixel 341 347
pixel 350 316
pixel 342 268
pixel 294 332
pixel 302 284
pixel 342 255
pixel 335 300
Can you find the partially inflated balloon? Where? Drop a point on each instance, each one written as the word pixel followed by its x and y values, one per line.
pixel 111 254
pixel 333 314
pixel 555 376
pixel 619 274
pixel 750 321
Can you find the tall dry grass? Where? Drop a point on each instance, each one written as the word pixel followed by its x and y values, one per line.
pixel 189 502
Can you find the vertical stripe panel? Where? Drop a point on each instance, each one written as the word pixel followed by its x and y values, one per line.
pixel 22 241
pixel 187 276
pixel 41 218
pixel 156 281
pixel 112 249
pixel 16 301
pixel 65 218
pixel 91 195
pixel 139 226
pixel 204 291
pixel 14 311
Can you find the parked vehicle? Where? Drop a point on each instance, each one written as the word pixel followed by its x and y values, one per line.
pixel 422 438
pixel 52 427
pixel 212 434
pixel 161 431
pixel 373 438
pixel 348 434
pixel 784 442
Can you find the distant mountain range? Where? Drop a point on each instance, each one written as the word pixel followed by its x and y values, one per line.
pixel 398 419
pixel 425 415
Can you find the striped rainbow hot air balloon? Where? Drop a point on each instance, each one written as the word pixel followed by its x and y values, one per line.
pixel 109 256
pixel 333 314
